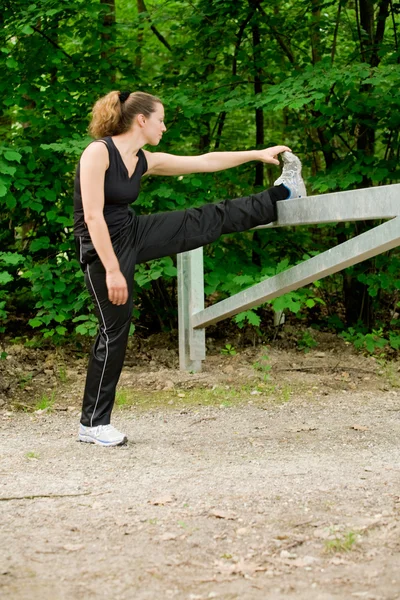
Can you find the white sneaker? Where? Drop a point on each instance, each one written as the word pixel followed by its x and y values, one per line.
pixel 291 176
pixel 102 435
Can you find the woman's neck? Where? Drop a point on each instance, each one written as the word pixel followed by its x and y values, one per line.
pixel 129 142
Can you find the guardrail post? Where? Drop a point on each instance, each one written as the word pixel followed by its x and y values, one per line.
pixel 192 342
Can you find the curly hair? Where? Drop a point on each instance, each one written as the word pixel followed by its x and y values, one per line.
pixel 111 116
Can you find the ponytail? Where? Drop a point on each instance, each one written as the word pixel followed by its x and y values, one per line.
pixel 113 114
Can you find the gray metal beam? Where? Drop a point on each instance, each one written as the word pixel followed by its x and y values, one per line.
pixel 364 246
pixel 354 205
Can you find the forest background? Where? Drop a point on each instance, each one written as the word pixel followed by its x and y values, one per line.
pixel 320 76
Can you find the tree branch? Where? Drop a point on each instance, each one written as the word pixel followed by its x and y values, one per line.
pixel 34 496
pixel 383 14
pixel 239 37
pixel 52 42
pixel 335 34
pixel 142 9
pixel 396 45
pixel 279 38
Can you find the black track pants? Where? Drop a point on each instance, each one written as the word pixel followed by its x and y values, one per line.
pixel 145 238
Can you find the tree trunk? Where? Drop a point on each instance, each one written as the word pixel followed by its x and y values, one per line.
pixel 259 117
pixel 358 303
pixel 108 35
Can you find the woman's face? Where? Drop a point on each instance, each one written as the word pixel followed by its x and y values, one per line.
pixel 154 126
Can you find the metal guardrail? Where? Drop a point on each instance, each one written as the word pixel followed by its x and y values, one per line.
pixel 355 205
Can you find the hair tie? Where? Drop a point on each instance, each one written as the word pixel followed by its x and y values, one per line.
pixel 124 96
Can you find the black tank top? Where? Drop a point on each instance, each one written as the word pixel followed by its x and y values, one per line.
pixel 120 190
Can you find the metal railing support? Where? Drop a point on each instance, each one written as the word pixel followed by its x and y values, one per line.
pixel 355 205
pixel 368 244
pixel 192 342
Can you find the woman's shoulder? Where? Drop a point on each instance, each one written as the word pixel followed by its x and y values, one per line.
pixel 96 151
pixel 99 145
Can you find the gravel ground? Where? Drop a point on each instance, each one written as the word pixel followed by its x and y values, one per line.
pixel 289 495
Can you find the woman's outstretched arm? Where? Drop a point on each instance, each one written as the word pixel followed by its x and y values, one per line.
pixel 160 163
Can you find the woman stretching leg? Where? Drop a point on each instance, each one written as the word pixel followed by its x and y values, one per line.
pixel 111 239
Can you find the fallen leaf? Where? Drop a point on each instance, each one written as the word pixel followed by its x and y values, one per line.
pixel 359 428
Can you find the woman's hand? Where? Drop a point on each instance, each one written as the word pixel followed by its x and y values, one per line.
pixel 269 154
pixel 117 287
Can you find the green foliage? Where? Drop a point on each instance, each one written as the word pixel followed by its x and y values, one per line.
pixel 46 402
pixel 342 543
pixel 371 342
pixel 121 398
pixel 307 342
pixel 228 350
pixel 148 272
pixel 32 455
pixel 249 317
pixel 331 95
pixel 87 324
pixel 57 286
pixel 264 366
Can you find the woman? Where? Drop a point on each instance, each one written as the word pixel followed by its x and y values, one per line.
pixel 111 239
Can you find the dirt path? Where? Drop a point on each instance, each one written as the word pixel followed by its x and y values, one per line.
pixel 285 486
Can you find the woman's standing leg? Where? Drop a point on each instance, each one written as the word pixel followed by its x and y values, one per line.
pixel 108 352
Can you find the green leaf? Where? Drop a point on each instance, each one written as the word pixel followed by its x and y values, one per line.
pixel 250 316
pixel 11 258
pixel 36 206
pixel 11 201
pixel 11 63
pixel 27 29
pixel 59 286
pixel 35 322
pixel 7 169
pixel 82 329
pixel 170 270
pixel 60 318
pixel 253 318
pixel 5 277
pixel 243 279
pixel 394 340
pixel 41 243
pixel 12 155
